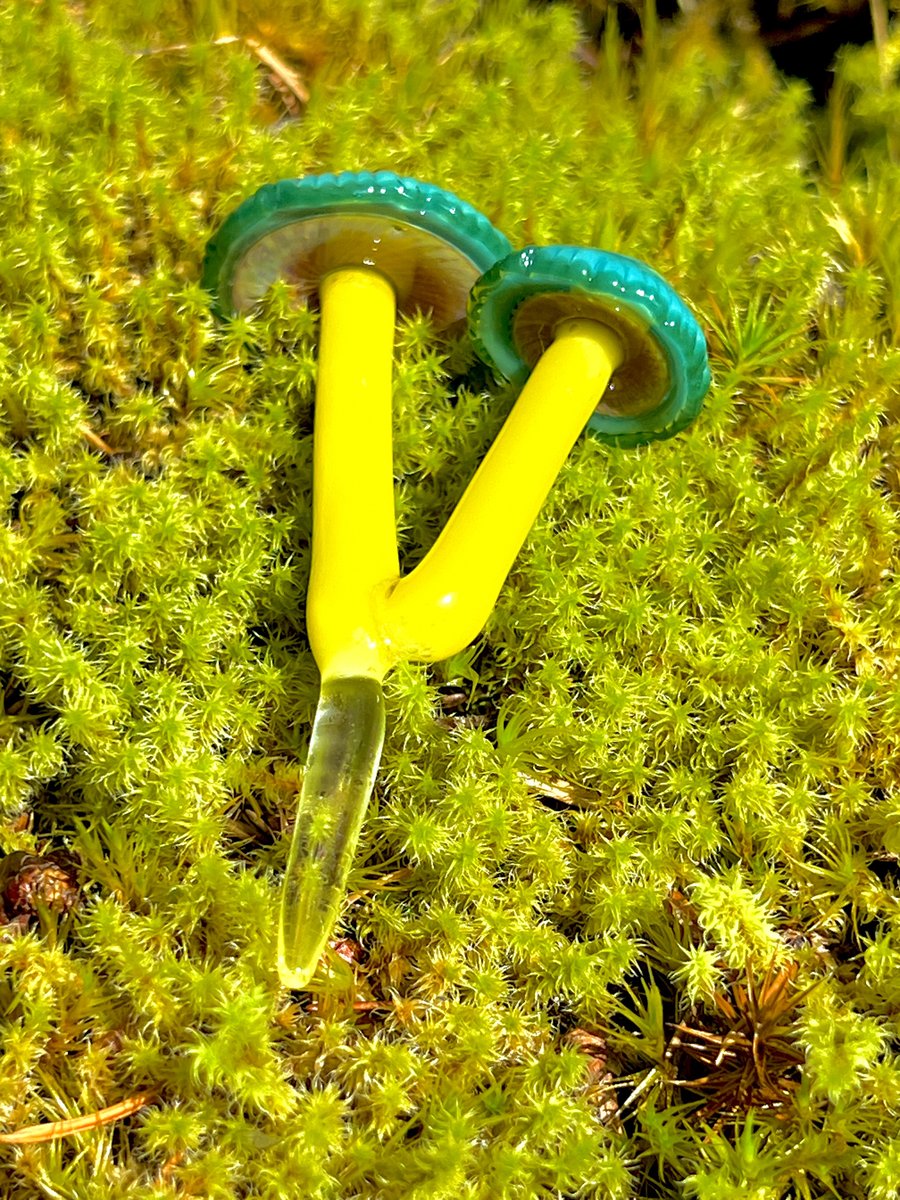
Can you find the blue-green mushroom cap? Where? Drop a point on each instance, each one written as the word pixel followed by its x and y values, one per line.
pixel 431 245
pixel 517 306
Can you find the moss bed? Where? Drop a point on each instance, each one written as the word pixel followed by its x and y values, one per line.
pixel 624 920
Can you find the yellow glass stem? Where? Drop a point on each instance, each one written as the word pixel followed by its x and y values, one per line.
pixel 443 604
pixel 354 543
pixel 361 618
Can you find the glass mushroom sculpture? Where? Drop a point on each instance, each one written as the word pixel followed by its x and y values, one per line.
pixel 363 247
pixel 596 339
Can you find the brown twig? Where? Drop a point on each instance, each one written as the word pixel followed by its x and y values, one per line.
pixel 48 1130
pixel 279 68
pixel 397 876
pixel 560 790
pixel 180 47
pixel 359 1006
pixel 165 1171
pixel 96 440
pixel 283 77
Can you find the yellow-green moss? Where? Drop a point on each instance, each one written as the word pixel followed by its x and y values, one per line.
pixel 680 736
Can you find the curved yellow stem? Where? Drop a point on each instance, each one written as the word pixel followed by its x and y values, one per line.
pixel 442 605
pixel 361 617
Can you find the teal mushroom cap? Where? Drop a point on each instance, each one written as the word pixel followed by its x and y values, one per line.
pixel 431 245
pixel 658 389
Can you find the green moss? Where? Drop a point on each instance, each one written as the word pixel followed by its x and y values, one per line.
pixel 672 783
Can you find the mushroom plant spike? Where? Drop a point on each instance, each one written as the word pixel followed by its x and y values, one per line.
pixel 601 340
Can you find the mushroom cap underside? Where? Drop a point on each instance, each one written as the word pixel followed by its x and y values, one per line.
pixel 517 306
pixel 431 245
